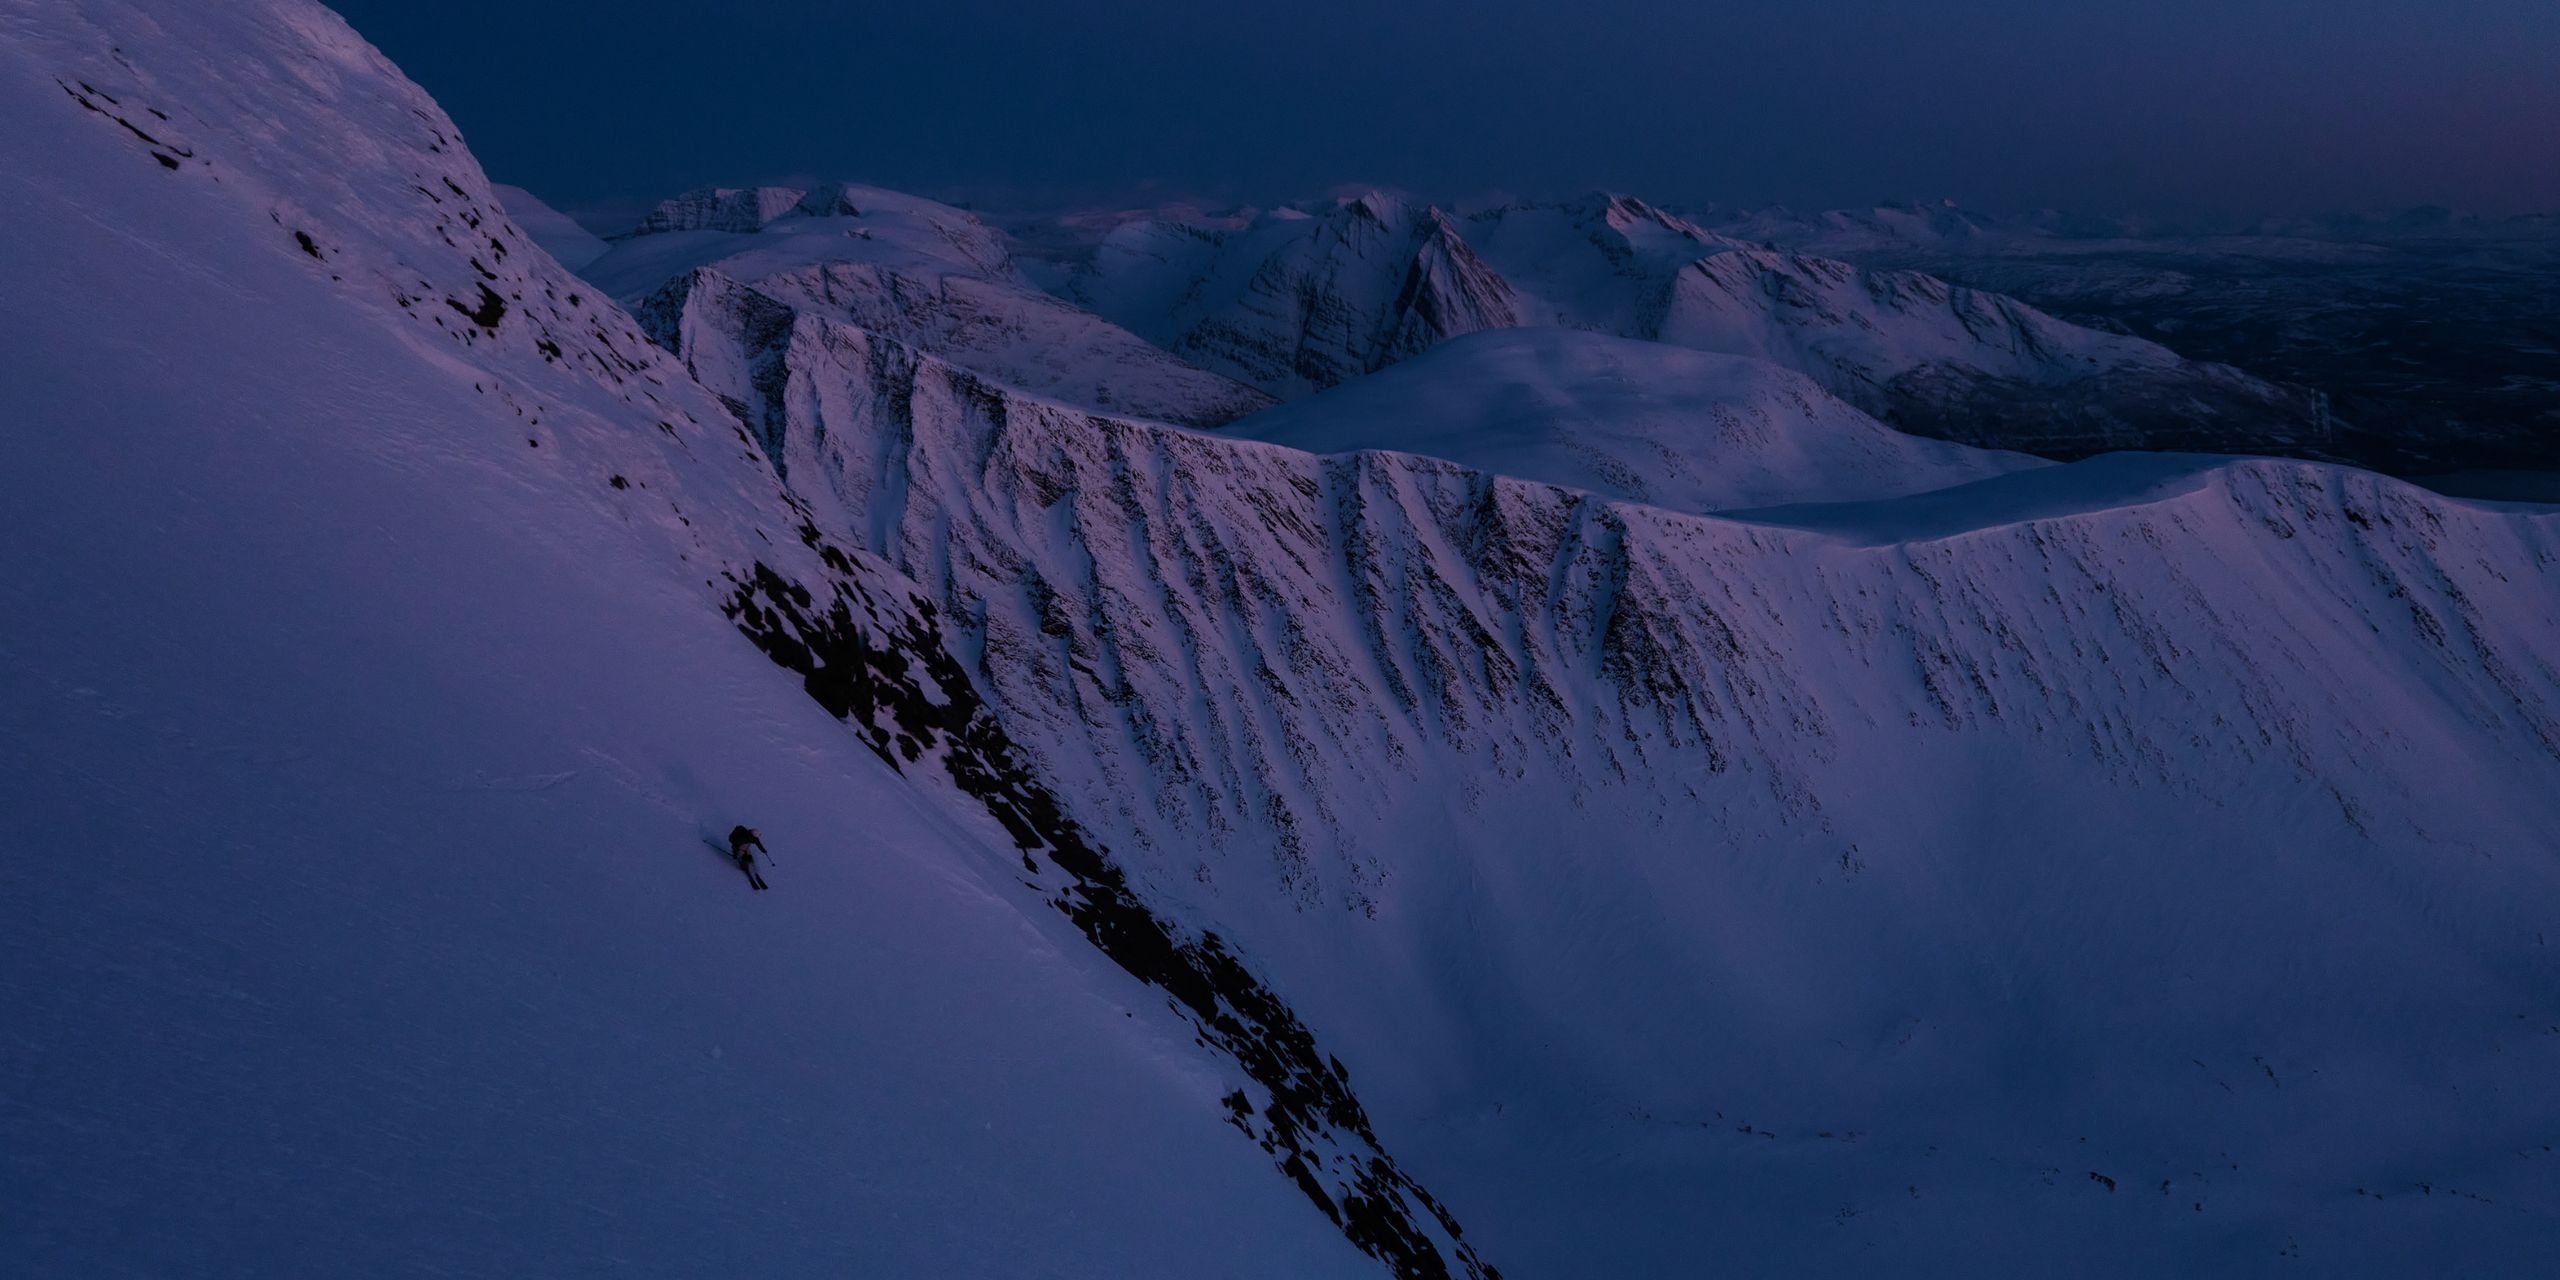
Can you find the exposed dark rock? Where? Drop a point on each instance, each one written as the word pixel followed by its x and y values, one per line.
pixel 878 663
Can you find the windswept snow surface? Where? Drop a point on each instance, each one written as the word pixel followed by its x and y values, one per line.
pixel 2134 867
pixel 364 708
pixel 1624 419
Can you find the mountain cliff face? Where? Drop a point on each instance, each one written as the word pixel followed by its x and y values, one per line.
pixel 929 275
pixel 1678 879
pixel 1301 302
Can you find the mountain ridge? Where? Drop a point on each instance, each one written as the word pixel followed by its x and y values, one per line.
pixel 927 273
pixel 1453 753
pixel 1299 302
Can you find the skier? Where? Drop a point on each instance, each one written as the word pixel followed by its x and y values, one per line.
pixel 742 841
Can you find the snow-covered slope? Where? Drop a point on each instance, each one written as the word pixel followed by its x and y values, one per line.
pixel 928 274
pixel 1638 421
pixel 371 678
pixel 554 232
pixel 1303 301
pixel 2133 867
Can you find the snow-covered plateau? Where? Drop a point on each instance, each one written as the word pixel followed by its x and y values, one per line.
pixel 1588 799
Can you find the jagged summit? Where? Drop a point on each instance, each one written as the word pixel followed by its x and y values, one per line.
pixel 1377 204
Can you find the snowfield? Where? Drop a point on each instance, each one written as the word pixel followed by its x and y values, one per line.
pixel 1560 806
pixel 1638 421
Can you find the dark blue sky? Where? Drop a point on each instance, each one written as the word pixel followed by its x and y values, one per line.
pixel 2177 106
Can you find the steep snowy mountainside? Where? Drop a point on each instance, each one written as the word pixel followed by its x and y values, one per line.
pixel 1638 421
pixel 928 274
pixel 1306 300
pixel 558 234
pixel 1298 301
pixel 2136 866
pixel 372 634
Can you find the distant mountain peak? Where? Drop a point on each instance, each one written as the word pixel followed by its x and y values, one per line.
pixel 740 209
